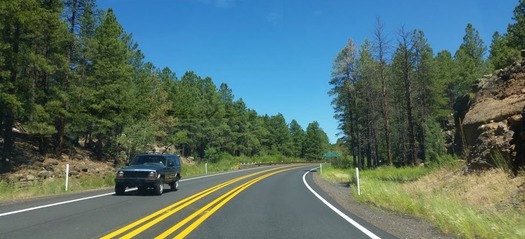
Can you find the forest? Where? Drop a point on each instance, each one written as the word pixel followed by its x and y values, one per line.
pixel 394 96
pixel 71 76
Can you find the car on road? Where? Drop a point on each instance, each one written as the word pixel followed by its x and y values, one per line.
pixel 149 172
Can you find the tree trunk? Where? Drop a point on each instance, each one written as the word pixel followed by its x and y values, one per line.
pixel 413 159
pixel 9 137
pixel 9 120
pixel 356 136
pixel 60 126
pixel 99 147
pixel 381 45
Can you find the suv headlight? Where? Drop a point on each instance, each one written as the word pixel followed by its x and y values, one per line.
pixel 120 174
pixel 152 175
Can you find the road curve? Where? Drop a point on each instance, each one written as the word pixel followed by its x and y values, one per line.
pixel 269 202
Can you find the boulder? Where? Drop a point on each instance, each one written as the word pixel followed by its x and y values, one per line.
pixel 45 174
pixel 31 177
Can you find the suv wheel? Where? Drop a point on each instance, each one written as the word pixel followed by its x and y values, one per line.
pixel 120 189
pixel 174 186
pixel 159 188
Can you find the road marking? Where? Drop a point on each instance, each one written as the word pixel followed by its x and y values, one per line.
pixel 341 214
pixel 53 204
pixel 103 195
pixel 206 212
pixel 162 214
pixel 218 174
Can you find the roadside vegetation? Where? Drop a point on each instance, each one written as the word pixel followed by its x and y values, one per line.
pixel 53 186
pixel 56 186
pixel 481 205
pixel 82 81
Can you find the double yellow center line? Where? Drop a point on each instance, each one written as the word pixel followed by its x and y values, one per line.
pixel 143 224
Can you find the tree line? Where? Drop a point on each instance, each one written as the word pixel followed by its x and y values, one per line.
pixel 394 98
pixel 71 76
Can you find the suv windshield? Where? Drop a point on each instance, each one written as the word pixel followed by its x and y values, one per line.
pixel 149 160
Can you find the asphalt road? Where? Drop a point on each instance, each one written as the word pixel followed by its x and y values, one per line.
pixel 269 202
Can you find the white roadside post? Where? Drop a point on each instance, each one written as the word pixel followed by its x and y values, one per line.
pixel 206 168
pixel 321 168
pixel 358 185
pixel 67 175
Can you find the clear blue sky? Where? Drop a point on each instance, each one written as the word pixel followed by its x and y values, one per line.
pixel 277 54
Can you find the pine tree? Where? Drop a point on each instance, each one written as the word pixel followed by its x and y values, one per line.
pixel 382 48
pixel 404 56
pixel 315 143
pixel 280 135
pixel 425 91
pixel 470 59
pixel 368 87
pixel 516 30
pixel 446 70
pixel 109 101
pixel 79 122
pixel 47 105
pixel 343 90
pixel 13 41
pixel 31 46
pixel 501 52
pixel 297 137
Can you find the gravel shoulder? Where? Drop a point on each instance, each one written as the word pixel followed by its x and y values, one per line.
pixel 401 226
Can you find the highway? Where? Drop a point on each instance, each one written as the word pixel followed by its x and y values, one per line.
pixel 265 202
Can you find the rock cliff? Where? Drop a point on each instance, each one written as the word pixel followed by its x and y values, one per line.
pixel 492 127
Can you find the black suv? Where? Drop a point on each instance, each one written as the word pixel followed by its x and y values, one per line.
pixel 149 171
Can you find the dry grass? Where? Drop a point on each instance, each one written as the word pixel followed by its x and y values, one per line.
pixel 484 205
pixel 488 191
pixel 335 175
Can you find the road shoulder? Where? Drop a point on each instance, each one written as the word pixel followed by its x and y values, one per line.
pixel 401 226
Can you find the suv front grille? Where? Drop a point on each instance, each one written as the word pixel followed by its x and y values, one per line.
pixel 136 174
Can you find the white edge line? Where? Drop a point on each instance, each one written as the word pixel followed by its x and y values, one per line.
pixel 107 194
pixel 341 214
pixel 53 204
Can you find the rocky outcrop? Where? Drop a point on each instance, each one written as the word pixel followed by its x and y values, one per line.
pixel 492 126
pixel 50 169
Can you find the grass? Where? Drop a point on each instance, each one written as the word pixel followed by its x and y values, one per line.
pixel 468 206
pixel 53 186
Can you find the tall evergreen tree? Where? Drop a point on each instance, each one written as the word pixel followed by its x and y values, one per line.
pixel 403 56
pixel 14 21
pixel 516 30
pixel 446 70
pixel 74 13
pixel 280 135
pixel 382 48
pixel 315 143
pixel 297 137
pixel 502 54
pixel 31 45
pixel 425 91
pixel 470 59
pixel 50 69
pixel 368 87
pixel 109 102
pixel 343 90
